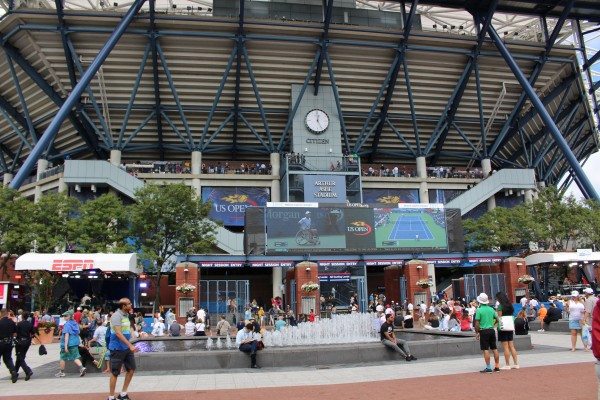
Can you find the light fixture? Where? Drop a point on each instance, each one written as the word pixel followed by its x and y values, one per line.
pixel 16 286
pixel 434 26
pixel 306 149
pixel 185 270
pixel 209 9
pixel 93 187
pixel 143 294
pixel 77 188
pixel 116 4
pixel 189 8
pixel 143 285
pixel 174 6
pixel 419 267
pixel 77 276
pixel 92 272
pixel 65 275
pixel 199 8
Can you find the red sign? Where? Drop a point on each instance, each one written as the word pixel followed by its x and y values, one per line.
pixel 72 265
pixel 3 293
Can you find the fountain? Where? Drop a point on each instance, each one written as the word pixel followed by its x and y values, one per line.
pixel 219 343
pixel 209 344
pixel 228 342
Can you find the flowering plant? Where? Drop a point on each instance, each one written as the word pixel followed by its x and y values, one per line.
pixel 185 288
pixel 424 283
pixel 310 287
pixel 525 279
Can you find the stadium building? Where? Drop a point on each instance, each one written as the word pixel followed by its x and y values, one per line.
pixel 383 121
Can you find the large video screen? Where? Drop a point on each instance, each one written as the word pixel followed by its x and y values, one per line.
pixel 326 228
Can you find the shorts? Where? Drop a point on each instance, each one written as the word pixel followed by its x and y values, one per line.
pixel 71 354
pixel 505 336
pixel 487 339
pixel 575 324
pixel 120 358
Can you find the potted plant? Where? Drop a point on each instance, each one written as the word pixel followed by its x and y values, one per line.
pixel 424 283
pixel 309 287
pixel 45 332
pixel 526 279
pixel 185 288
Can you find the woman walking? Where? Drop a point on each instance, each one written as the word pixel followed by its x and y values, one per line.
pixel 25 333
pixel 505 336
pixel 576 309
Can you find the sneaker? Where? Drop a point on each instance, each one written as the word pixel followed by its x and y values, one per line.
pixel 126 397
pixel 255 366
pixel 496 369
pixel 486 371
pixel 60 374
pixel 515 366
pixel 407 358
pixel 506 368
pixel 541 330
pixel 82 371
pixel 413 358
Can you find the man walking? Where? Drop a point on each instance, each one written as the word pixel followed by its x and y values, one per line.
pixel 121 350
pixel 8 329
pixel 388 338
pixel 485 319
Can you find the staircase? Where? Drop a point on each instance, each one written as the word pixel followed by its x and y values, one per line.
pixel 520 179
pixel 101 172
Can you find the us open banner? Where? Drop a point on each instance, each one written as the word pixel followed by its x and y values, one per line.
pixel 229 203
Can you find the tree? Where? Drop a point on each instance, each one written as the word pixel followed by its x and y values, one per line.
pixel 16 234
pixel 102 226
pixel 167 221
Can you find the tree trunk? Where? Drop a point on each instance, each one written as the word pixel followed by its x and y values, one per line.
pixel 156 305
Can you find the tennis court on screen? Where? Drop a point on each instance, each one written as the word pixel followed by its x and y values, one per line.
pixel 410 227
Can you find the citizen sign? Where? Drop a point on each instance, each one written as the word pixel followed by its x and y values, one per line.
pixel 72 265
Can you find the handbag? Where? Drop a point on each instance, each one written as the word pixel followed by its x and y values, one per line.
pixel 42 350
pixel 507 323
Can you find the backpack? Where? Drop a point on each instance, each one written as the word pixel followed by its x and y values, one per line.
pixel 107 335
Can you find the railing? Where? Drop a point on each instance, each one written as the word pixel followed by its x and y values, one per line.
pixel 333 163
pixel 52 171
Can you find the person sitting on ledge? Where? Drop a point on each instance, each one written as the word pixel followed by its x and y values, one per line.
pixel 552 315
pixel 388 338
pixel 246 342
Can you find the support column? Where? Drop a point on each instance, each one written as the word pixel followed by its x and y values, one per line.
pixel 306 272
pixel 528 196
pixel 42 165
pixel 391 280
pixel 486 168
pixel 62 186
pixel 189 273
pixel 513 268
pixel 422 174
pixel 277 277
pixel 196 170
pixel 115 157
pixel 7 178
pixel 415 270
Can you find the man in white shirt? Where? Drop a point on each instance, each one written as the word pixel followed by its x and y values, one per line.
pixel 246 342
pixel 159 327
pixel 190 327
pixel 201 314
pixel 410 307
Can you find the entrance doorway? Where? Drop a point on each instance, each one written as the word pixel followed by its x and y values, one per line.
pixel 216 296
pixel 484 283
pixel 338 293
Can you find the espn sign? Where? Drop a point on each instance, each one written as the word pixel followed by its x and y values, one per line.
pixel 68 265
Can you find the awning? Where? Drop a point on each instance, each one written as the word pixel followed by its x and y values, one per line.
pixel 562 257
pixel 71 262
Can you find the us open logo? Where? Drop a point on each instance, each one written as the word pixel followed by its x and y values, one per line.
pixel 359 228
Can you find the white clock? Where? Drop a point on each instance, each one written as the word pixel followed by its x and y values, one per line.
pixel 317 121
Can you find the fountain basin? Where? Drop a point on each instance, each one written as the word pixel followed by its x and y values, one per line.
pixel 423 344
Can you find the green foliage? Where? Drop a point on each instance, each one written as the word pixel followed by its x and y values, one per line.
pixel 559 223
pixel 168 221
pixel 54 224
pixel 102 225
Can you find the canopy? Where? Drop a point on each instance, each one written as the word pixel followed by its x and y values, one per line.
pixel 564 257
pixel 71 262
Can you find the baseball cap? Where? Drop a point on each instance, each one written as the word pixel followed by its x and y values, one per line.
pixel 67 313
pixel 574 293
pixel 588 290
pixel 307 213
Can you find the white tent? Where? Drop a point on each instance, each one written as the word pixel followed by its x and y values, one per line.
pixel 581 256
pixel 72 262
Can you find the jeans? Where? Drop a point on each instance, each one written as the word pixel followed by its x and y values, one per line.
pixel 6 352
pixel 250 348
pixel 401 346
pixel 21 350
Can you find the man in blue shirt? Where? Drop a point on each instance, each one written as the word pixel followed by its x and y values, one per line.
pixel 121 350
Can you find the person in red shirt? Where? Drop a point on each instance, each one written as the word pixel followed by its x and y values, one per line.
pixel 596 340
pixel 311 316
pixel 77 315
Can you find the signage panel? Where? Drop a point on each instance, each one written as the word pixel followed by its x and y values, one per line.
pixel 229 203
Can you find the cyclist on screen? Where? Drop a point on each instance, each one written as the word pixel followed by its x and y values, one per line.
pixel 305 225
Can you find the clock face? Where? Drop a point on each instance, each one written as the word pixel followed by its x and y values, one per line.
pixel 317 121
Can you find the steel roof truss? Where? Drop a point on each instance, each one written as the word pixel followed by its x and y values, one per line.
pixel 556 155
pixel 548 138
pixel 64 38
pixel 132 97
pixel 466 139
pixel 139 128
pixel 336 97
pixel 14 127
pixel 219 129
pixel 155 80
pixel 2 160
pixel 524 146
pixel 411 103
pixel 238 72
pixel 323 43
pixel 175 129
pixel 165 66
pixel 400 137
pixel 26 115
pixel 482 130
pixel 269 146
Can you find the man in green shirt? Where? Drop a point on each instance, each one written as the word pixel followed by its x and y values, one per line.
pixel 485 319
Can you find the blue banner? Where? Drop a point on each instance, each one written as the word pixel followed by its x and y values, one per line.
pixel 229 203
pixel 390 196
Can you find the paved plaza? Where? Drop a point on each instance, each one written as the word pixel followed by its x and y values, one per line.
pixel 549 371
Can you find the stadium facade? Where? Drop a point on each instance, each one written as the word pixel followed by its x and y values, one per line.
pixel 469 103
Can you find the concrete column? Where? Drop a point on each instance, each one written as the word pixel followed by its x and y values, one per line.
pixel 62 186
pixel 196 170
pixel 277 278
pixel 42 165
pixel 422 173
pixel 486 168
pixel 528 195
pixel 115 157
pixel 7 178
pixel 189 273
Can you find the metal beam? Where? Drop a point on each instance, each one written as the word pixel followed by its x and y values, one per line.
pixel 83 128
pixel 60 13
pixel 30 128
pixel 508 130
pixel 239 42
pixel 323 43
pixel 560 141
pixel 591 61
pixel 336 97
pixel 65 109
pixel 155 79
pixel 14 114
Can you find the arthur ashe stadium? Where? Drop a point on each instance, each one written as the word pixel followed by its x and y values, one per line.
pixel 466 103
